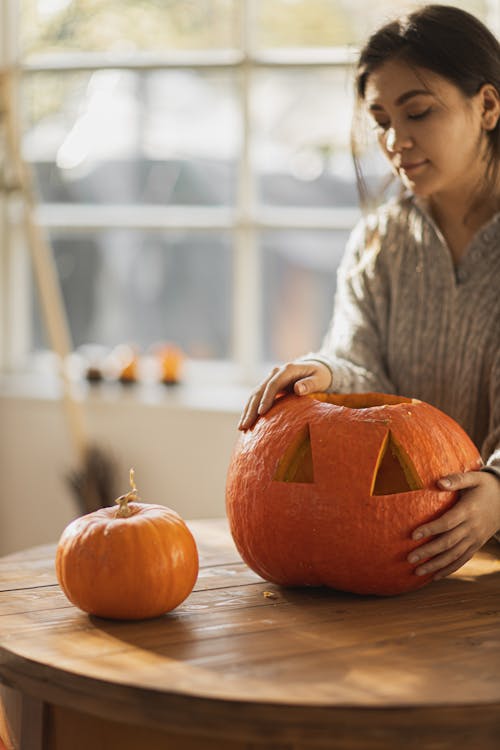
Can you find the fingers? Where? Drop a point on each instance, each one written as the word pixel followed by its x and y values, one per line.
pixel 459 513
pixel 460 531
pixel 251 410
pixel 444 523
pixel 282 378
pixel 306 385
pixel 450 539
pixel 449 561
pixel 264 395
pixel 441 552
pixel 460 481
pixel 455 565
pixel 304 378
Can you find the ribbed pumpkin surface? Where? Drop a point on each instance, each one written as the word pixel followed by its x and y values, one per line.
pixel 127 568
pixel 327 489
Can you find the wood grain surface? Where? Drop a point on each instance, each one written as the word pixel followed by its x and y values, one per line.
pixel 246 662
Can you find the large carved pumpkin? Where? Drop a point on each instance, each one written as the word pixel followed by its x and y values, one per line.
pixel 327 489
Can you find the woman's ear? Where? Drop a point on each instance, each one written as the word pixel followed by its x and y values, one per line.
pixel 490 106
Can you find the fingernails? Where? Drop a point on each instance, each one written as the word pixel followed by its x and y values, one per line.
pixel 301 388
pixel 421 571
pixel 418 535
pixel 445 482
pixel 413 558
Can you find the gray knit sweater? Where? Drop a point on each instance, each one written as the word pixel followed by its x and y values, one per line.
pixel 407 321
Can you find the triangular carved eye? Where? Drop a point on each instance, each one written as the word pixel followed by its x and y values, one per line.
pixel 296 464
pixel 394 471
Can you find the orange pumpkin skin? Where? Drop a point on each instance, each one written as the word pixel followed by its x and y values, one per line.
pixel 127 568
pixel 333 523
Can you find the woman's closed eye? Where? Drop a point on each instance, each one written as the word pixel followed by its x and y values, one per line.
pixel 420 115
pixel 384 125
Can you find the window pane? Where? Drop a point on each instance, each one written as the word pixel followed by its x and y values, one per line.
pixel 144 287
pixel 325 23
pixel 166 137
pixel 127 25
pixel 302 23
pixel 298 283
pixel 301 147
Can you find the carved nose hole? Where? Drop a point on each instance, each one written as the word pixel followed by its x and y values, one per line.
pixel 296 464
pixel 394 471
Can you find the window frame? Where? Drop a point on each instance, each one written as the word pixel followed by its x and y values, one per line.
pixel 244 222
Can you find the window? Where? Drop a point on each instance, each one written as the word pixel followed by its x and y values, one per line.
pixel 193 168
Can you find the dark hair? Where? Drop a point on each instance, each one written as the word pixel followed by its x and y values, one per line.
pixel 447 41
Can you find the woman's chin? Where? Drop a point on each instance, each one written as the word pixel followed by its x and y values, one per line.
pixel 421 191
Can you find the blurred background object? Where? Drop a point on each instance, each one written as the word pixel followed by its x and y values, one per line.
pixel 171 360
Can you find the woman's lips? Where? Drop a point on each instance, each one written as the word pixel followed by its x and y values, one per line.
pixel 413 166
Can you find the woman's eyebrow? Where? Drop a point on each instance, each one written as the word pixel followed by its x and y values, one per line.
pixel 403 98
pixel 410 94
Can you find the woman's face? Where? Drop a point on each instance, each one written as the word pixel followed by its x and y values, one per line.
pixel 433 136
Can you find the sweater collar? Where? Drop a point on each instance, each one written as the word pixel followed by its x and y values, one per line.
pixel 486 236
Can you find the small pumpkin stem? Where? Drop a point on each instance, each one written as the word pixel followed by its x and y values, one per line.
pixel 123 501
pixel 132 480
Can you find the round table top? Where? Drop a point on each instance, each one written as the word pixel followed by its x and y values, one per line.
pixel 240 647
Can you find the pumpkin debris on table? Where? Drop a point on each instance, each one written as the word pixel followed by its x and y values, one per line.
pixel 132 562
pixel 327 489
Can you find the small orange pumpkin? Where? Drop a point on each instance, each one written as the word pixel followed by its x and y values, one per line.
pixel 171 360
pixel 132 562
pixel 327 489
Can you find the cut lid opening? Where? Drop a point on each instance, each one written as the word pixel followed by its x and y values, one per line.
pixel 361 400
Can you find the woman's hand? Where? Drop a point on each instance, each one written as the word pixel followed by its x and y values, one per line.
pixel 463 529
pixel 300 377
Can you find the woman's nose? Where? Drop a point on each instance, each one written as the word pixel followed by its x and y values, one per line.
pixel 396 140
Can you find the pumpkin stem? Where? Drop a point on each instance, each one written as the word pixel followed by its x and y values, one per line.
pixel 123 501
pixel 132 480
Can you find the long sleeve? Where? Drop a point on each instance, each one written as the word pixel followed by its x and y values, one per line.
pixel 355 345
pixel 491 446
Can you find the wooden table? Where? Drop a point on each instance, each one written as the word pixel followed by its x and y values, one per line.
pixel 244 664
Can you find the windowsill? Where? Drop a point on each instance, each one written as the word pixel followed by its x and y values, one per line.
pixel 208 396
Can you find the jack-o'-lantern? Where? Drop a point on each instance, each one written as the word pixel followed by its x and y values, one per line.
pixel 327 489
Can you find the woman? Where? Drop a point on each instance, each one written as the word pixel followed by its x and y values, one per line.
pixel 417 309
